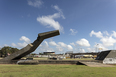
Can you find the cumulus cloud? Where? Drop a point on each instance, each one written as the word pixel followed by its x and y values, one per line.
pixel 53 46
pixel 45 47
pixel 35 3
pixel 6 45
pixel 73 31
pixel 108 41
pixel 106 33
pixel 73 44
pixel 101 46
pixel 98 47
pixel 62 44
pixel 59 10
pixel 52 43
pixel 83 42
pixel 91 50
pixel 20 45
pixel 14 45
pixel 106 38
pixel 69 47
pixel 59 48
pixel 81 50
pixel 23 38
pixel 49 20
pixel 113 34
pixel 46 44
pixel 97 34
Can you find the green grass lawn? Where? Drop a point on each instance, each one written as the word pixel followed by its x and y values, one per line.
pixel 56 71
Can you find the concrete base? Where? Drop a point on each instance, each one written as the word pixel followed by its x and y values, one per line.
pixel 96 64
pixel 28 62
pixel 58 62
pixel 53 61
pixel 91 63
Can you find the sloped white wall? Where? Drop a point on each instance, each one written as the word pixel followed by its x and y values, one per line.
pixel 109 61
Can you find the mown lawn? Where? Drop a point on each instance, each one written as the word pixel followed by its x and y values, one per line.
pixel 56 71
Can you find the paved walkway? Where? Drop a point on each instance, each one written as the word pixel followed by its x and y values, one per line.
pixel 95 64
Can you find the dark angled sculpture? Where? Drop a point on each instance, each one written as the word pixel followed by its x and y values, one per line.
pixel 30 47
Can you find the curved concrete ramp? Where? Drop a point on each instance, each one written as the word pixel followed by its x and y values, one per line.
pixel 30 47
pixel 95 64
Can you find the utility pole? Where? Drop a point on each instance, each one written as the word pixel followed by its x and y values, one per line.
pixel 97 47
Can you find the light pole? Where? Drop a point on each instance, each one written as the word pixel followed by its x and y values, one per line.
pixel 97 47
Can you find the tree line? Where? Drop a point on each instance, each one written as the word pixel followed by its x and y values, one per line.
pixel 5 51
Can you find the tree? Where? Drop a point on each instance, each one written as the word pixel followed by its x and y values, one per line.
pixel 7 50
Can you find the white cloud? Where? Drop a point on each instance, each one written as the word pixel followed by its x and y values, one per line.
pixel 62 44
pixel 55 15
pixel 108 41
pixel 69 47
pixel 83 42
pixel 91 49
pixel 52 43
pixel 97 34
pixel 23 38
pixel 73 31
pixel 45 47
pixel 20 45
pixel 45 44
pixel 59 48
pixel 81 50
pixel 105 32
pixel 59 10
pixel 6 45
pixel 100 47
pixel 49 20
pixel 114 34
pixel 35 3
pixel 14 45
pixel 73 44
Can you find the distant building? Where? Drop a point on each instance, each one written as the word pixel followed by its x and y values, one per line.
pixel 48 53
pixel 69 52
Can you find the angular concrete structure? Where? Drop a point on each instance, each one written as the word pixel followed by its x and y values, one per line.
pixel 30 47
pixel 107 57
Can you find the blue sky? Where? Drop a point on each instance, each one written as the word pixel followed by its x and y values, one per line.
pixel 84 25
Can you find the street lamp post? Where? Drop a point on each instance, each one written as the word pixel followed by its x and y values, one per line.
pixel 97 47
